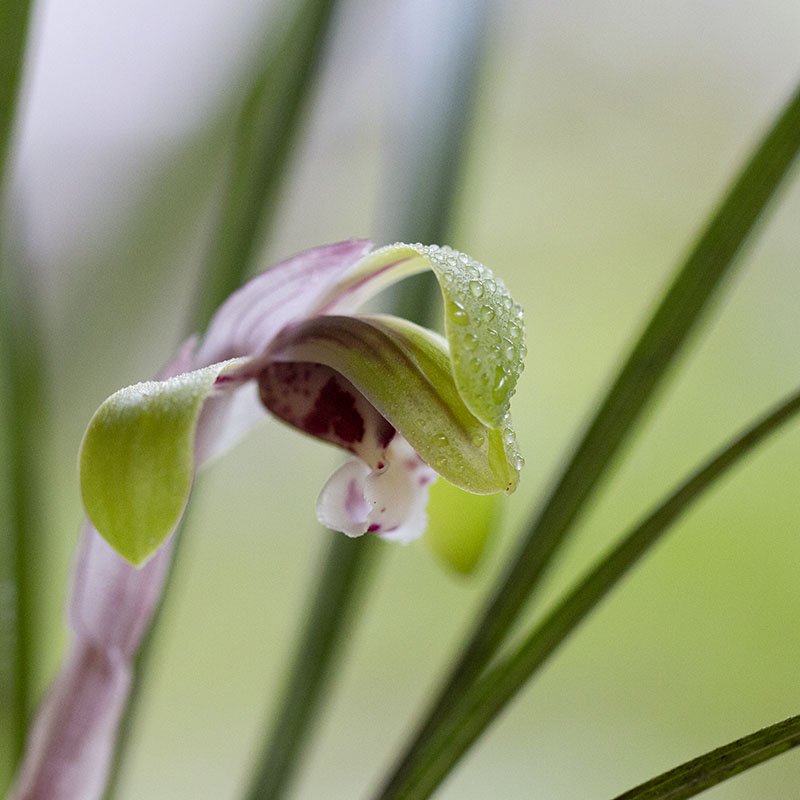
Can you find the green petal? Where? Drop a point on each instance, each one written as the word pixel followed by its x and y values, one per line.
pixel 404 371
pixel 460 525
pixel 486 332
pixel 137 460
pixel 483 324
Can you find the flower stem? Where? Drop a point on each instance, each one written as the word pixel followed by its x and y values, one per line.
pixel 696 283
pixel 480 704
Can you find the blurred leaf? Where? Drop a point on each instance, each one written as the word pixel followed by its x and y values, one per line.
pixel 677 315
pixel 480 703
pixel 14 20
pixel 261 150
pixel 19 423
pixel 460 525
pixel 725 762
pixel 430 168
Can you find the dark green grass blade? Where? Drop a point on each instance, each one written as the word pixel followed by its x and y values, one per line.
pixel 261 152
pixel 343 581
pixel 725 762
pixel 19 423
pixel 483 701
pixel 695 285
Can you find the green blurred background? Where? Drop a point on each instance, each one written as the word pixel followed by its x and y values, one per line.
pixel 603 136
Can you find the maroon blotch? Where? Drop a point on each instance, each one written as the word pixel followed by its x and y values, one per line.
pixel 335 409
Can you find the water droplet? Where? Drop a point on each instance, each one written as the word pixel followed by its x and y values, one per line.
pixel 440 440
pixel 500 386
pixel 477 439
pixel 470 341
pixel 476 289
pixel 487 313
pixel 458 314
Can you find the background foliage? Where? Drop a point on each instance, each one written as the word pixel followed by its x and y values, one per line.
pixel 603 136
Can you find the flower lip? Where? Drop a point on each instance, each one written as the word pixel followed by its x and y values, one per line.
pixel 321 402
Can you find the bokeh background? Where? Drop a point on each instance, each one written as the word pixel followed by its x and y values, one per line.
pixel 604 132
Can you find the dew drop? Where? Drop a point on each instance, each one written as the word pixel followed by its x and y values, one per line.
pixel 458 314
pixel 478 439
pixel 476 288
pixel 500 386
pixel 487 313
pixel 440 440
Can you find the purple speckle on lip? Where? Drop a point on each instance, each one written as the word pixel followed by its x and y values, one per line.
pixel 335 409
pixel 374 528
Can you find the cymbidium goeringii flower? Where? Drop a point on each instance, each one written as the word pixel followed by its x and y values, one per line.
pixel 406 402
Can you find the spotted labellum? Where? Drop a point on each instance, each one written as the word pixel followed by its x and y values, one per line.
pixel 407 403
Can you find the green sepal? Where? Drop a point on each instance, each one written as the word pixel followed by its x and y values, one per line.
pixel 484 326
pixel 404 371
pixel 137 460
pixel 460 525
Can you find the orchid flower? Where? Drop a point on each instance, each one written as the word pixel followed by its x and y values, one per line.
pixel 405 402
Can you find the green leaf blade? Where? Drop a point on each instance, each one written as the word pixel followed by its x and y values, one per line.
pixel 482 702
pixel 716 766
pixel 695 284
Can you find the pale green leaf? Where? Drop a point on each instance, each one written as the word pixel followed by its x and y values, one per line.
pixel 137 460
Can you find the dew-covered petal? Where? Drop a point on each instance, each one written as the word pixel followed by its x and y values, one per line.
pixel 389 501
pixel 137 459
pixel 404 371
pixel 292 290
pixel 484 326
pixel 322 403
